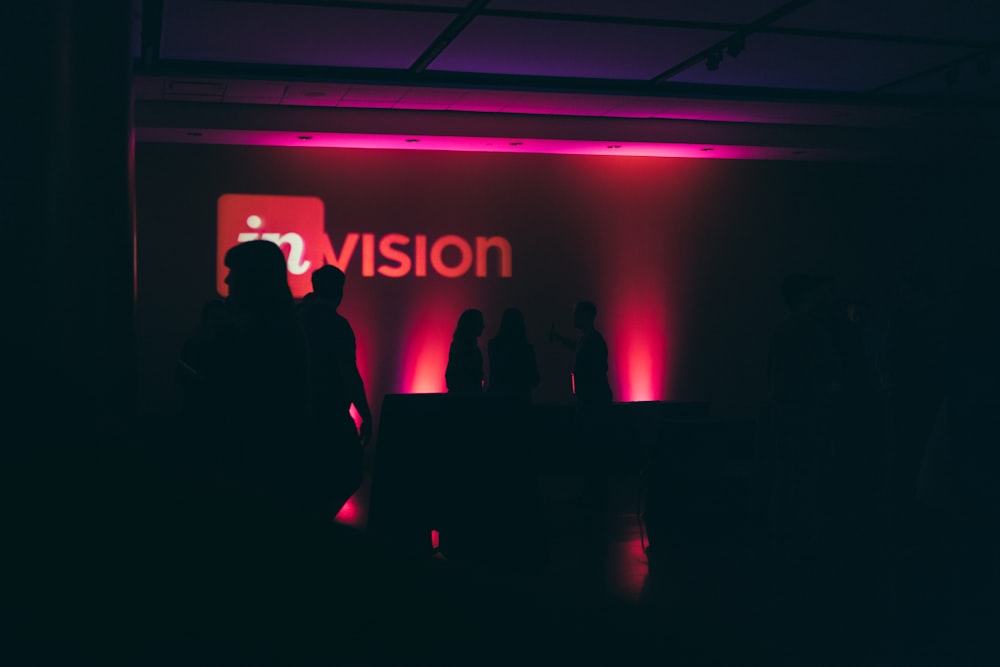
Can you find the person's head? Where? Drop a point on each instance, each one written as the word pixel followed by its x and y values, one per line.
pixel 470 325
pixel 328 283
pixel 584 315
pixel 257 274
pixel 512 325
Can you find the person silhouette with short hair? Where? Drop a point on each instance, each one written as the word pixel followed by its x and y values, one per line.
pixel 335 383
pixel 244 372
pixel 464 373
pixel 593 401
pixel 513 368
pixel 590 368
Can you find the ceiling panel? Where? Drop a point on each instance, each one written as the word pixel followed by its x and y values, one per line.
pixel 779 61
pixel 502 45
pixel 972 78
pixel 954 19
pixel 486 101
pixel 450 4
pixel 314 94
pixel 723 11
pixel 296 34
pixel 307 94
pixel 254 92
pixel 429 98
pixel 147 88
pixel 828 115
pixel 914 66
pixel 504 144
pixel 564 104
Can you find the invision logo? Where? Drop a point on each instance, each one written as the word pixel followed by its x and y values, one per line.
pixel 297 226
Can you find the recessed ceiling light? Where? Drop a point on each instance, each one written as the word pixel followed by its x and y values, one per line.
pixel 516 143
pixel 413 141
pixel 305 137
pixel 708 148
pixel 614 145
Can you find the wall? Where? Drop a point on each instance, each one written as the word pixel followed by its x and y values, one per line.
pixel 682 257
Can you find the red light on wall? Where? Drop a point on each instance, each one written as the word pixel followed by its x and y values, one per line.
pixel 639 346
pixel 426 372
pixel 424 357
pixel 639 369
pixel 350 513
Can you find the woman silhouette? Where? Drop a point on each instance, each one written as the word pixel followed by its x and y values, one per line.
pixel 513 369
pixel 464 373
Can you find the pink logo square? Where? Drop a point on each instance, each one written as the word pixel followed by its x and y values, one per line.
pixel 294 224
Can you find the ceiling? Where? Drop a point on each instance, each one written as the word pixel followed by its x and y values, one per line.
pixel 761 79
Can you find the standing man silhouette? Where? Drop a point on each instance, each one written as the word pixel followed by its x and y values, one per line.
pixel 334 379
pixel 593 400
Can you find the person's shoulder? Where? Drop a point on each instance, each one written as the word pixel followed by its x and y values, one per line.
pixel 342 321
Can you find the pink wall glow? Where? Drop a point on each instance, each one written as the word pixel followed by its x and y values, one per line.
pixel 425 351
pixel 664 247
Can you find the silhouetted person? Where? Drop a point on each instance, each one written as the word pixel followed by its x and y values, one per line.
pixel 947 576
pixel 593 400
pixel 464 374
pixel 970 428
pixel 801 363
pixel 803 375
pixel 248 350
pixel 247 378
pixel 857 417
pixel 802 370
pixel 334 379
pixel 914 374
pixel 513 369
pixel 198 354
